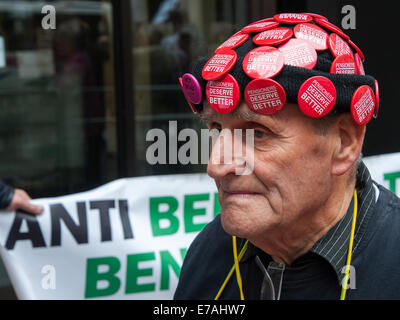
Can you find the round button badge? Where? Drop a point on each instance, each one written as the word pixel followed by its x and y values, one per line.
pixel 299 53
pixel 187 99
pixel 317 37
pixel 192 88
pixel 357 49
pixel 317 96
pixel 338 46
pixel 344 64
pixel 263 62
pixel 219 65
pixel 273 37
pixel 376 99
pixel 362 105
pixel 233 42
pixel 223 95
pixel 331 27
pixel 260 26
pixel 265 96
pixel 359 65
pixel 292 18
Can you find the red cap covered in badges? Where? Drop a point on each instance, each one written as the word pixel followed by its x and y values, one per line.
pixel 362 105
pixel 265 96
pixel 263 62
pixel 317 96
pixel 223 95
pixel 219 65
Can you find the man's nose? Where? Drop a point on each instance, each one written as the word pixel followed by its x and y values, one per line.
pixel 226 156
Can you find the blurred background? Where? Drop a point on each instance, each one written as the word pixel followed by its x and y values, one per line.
pixel 76 102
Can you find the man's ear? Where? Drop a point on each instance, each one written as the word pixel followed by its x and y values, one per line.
pixel 349 142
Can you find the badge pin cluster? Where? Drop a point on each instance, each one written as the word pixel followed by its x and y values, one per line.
pixel 286 39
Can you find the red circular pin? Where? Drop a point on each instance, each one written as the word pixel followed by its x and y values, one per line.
pixel 265 96
pixel 260 26
pixel 359 65
pixel 338 46
pixel 376 99
pixel 187 99
pixel 223 95
pixel 316 16
pixel 331 27
pixel 233 42
pixel 273 37
pixel 263 62
pixel 344 64
pixel 317 96
pixel 292 18
pixel 357 49
pixel 219 65
pixel 317 37
pixel 362 105
pixel 299 53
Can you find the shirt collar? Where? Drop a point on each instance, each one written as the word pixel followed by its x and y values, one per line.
pixel 333 246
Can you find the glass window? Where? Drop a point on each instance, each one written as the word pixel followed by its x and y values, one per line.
pixel 57 110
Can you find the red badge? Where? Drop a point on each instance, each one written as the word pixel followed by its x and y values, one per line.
pixel 359 65
pixel 376 99
pixel 265 96
pixel 316 16
pixel 273 37
pixel 219 65
pixel 344 64
pixel 338 46
pixel 357 49
pixel 187 99
pixel 233 42
pixel 292 18
pixel 223 95
pixel 317 96
pixel 263 62
pixel 362 105
pixel 331 27
pixel 260 26
pixel 299 53
pixel 317 37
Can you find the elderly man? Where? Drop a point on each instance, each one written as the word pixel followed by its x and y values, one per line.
pixel 306 221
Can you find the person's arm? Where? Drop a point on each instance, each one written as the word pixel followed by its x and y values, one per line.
pixel 6 195
pixel 16 199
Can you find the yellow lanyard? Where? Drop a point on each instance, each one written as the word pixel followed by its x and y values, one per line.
pixel 238 258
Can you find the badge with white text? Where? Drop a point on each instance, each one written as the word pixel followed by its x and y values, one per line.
pixel 263 62
pixel 265 96
pixel 219 65
pixel 362 105
pixel 223 95
pixel 317 96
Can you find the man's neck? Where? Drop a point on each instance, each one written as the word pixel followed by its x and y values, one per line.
pixel 286 244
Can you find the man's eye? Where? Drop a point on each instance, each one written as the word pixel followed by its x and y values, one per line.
pixel 259 134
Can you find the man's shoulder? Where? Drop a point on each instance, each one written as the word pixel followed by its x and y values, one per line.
pixel 206 263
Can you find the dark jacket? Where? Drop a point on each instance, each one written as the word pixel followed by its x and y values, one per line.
pixel 376 262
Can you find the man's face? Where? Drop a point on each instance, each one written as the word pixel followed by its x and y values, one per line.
pixel 291 178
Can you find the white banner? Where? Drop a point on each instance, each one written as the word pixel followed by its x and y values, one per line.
pixel 124 240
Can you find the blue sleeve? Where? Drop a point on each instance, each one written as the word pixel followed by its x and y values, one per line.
pixel 6 195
